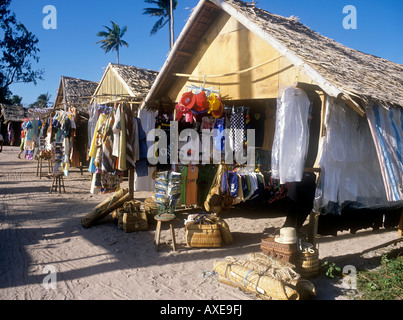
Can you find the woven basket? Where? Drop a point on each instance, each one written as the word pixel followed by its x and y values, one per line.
pixel 286 252
pixel 203 235
pixel 131 222
pixel 151 208
pixel 131 218
pixel 308 264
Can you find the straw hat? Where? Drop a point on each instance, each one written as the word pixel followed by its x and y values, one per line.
pixel 287 235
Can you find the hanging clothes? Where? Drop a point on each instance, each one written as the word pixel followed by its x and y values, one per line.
pixel 237 131
pixel 291 138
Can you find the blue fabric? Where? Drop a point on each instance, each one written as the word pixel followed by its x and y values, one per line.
pixel 229 183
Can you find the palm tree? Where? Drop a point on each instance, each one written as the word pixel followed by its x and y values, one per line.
pixel 112 38
pixel 42 101
pixel 164 12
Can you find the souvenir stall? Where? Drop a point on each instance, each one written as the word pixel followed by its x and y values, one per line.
pixel 118 145
pixel 251 57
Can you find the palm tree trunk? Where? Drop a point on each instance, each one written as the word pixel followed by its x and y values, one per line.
pixel 171 22
pixel 117 51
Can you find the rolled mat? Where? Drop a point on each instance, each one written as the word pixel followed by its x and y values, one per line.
pixel 106 207
pixel 251 281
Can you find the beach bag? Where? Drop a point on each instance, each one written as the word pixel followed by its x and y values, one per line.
pixel 200 235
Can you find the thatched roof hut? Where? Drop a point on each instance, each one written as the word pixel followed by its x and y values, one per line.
pixel 250 56
pixel 13 113
pixel 74 92
pixel 124 83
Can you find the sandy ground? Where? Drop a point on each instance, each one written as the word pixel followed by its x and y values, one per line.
pixel 42 232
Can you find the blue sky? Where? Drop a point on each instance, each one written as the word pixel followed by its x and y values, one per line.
pixel 70 50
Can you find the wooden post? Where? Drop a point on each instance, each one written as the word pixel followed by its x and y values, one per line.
pixel 313 228
pixel 131 183
pixel 400 231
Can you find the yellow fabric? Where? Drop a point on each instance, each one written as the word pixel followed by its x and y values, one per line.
pixel 93 149
pixel 122 151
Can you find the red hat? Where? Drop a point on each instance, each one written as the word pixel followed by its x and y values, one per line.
pixel 201 101
pixel 188 100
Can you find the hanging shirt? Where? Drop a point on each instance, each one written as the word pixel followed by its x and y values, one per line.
pixel 116 133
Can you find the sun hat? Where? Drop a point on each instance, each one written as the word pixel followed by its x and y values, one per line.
pixel 184 106
pixel 288 235
pixel 201 102
pixel 218 112
pixel 214 102
pixel 188 100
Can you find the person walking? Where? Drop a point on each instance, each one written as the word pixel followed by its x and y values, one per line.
pixel 22 145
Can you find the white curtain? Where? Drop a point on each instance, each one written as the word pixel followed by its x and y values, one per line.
pixel 350 171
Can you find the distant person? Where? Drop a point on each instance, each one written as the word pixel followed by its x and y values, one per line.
pixel 1 142
pixel 22 145
pixel 11 134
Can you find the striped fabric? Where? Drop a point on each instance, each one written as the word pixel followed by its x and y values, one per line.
pixel 387 131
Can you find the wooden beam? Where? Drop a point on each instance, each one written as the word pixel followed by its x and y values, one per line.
pixel 352 104
pixel 183 53
pixel 313 227
pixel 131 183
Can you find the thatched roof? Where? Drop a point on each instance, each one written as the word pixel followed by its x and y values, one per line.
pixel 338 70
pixel 139 80
pixel 74 91
pixel 350 70
pixel 13 113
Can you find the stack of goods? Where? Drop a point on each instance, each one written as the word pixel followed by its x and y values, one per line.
pixel 282 246
pixel 207 231
pixel 106 207
pixel 267 277
pixel 131 218
pixel 167 191
pixel 57 155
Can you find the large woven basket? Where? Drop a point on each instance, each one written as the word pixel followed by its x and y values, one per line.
pixel 308 264
pixel 131 218
pixel 131 222
pixel 286 252
pixel 203 235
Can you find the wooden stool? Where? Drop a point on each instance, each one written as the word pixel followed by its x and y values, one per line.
pixel 165 218
pixel 58 182
pixel 39 167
